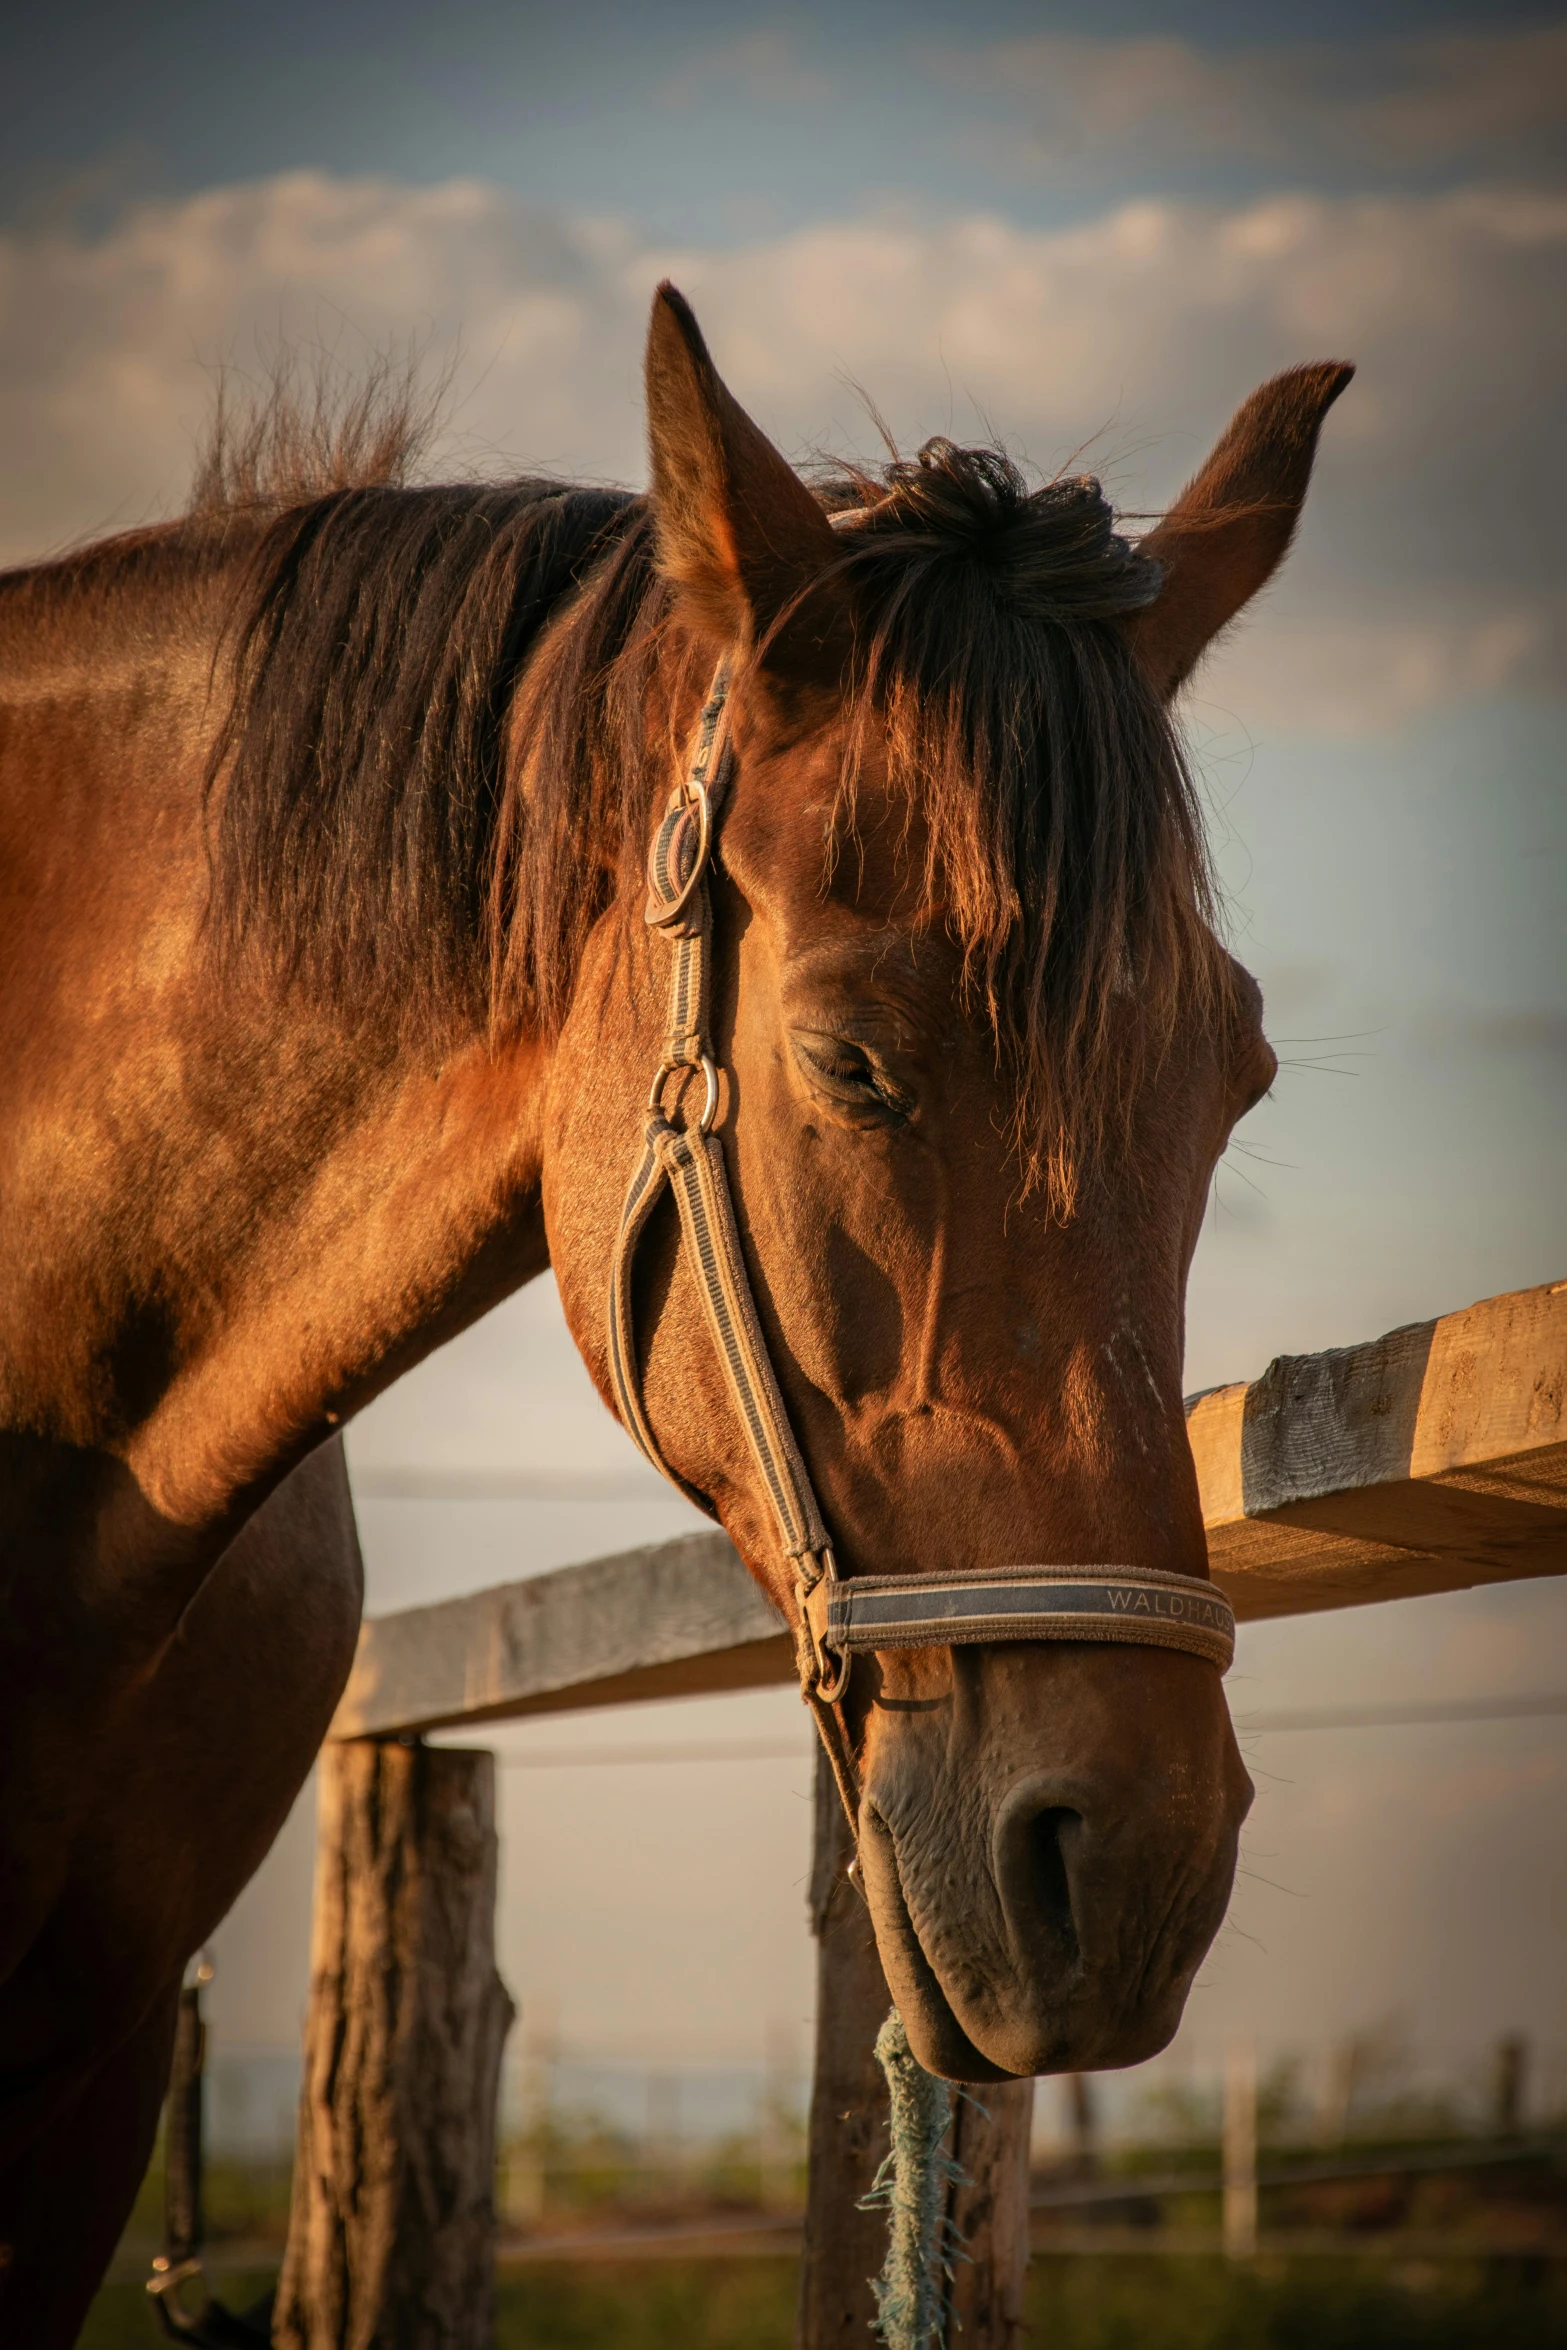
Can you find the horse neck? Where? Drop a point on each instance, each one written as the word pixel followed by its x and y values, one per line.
pixel 230 1219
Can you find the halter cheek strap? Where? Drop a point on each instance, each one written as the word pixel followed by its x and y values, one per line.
pixel 835 1618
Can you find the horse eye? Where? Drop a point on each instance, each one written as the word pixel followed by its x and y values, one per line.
pixel 847 1074
pixel 840 1063
pixel 829 1056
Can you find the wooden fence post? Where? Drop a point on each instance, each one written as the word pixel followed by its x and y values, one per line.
pixel 991 2141
pixel 1240 2149
pixel 844 2246
pixel 391 2241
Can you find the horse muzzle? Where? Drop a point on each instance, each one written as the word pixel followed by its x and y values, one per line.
pixel 1042 1903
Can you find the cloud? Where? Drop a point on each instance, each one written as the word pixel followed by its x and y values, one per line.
pixel 1492 102
pixel 1428 568
pixel 106 344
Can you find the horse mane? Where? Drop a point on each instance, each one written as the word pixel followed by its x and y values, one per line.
pixel 421 803
pixel 311 431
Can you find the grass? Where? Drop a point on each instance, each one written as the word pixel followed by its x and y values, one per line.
pixel 1101 2303
pixel 1077 2302
pixel 667 2305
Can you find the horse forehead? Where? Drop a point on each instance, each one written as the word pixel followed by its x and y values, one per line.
pixel 830 853
pixel 870 964
pixel 803 756
pixel 846 922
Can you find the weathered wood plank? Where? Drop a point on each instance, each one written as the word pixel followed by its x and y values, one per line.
pixel 672 1619
pixel 1428 1460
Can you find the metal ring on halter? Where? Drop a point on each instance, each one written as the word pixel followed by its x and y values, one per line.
pixel 655 1099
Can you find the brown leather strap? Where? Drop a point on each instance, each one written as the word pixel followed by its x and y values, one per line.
pixel 689 1160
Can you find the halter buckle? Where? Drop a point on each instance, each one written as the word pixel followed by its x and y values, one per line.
pixel 672 882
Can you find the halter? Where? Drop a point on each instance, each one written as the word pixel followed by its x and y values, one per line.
pixel 836 1617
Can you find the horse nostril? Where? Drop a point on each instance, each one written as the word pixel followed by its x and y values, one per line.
pixel 1049 1882
pixel 1038 1844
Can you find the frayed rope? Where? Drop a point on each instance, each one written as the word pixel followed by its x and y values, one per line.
pixel 912 2186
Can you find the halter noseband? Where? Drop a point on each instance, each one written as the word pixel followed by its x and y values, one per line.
pixel 836 1616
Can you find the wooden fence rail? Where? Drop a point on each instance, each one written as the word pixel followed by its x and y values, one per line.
pixel 1429 1460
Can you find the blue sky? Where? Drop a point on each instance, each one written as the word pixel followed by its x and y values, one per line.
pixel 1090 231
pixel 714 119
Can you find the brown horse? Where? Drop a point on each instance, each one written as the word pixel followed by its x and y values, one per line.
pixel 329 1010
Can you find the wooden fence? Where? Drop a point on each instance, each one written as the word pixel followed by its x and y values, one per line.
pixel 1430 1460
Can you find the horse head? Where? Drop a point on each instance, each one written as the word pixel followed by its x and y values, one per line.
pixel 979 1050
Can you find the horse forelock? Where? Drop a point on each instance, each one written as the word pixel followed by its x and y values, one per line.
pixel 1060 825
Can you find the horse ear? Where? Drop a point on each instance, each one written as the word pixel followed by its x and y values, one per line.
pixel 1231 526
pixel 739 533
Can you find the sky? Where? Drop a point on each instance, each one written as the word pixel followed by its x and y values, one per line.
pixel 1090 233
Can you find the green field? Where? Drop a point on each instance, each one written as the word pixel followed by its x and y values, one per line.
pixel 1080 2302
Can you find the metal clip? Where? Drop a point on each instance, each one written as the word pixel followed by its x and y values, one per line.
pixel 829 1668
pixel 164 2286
